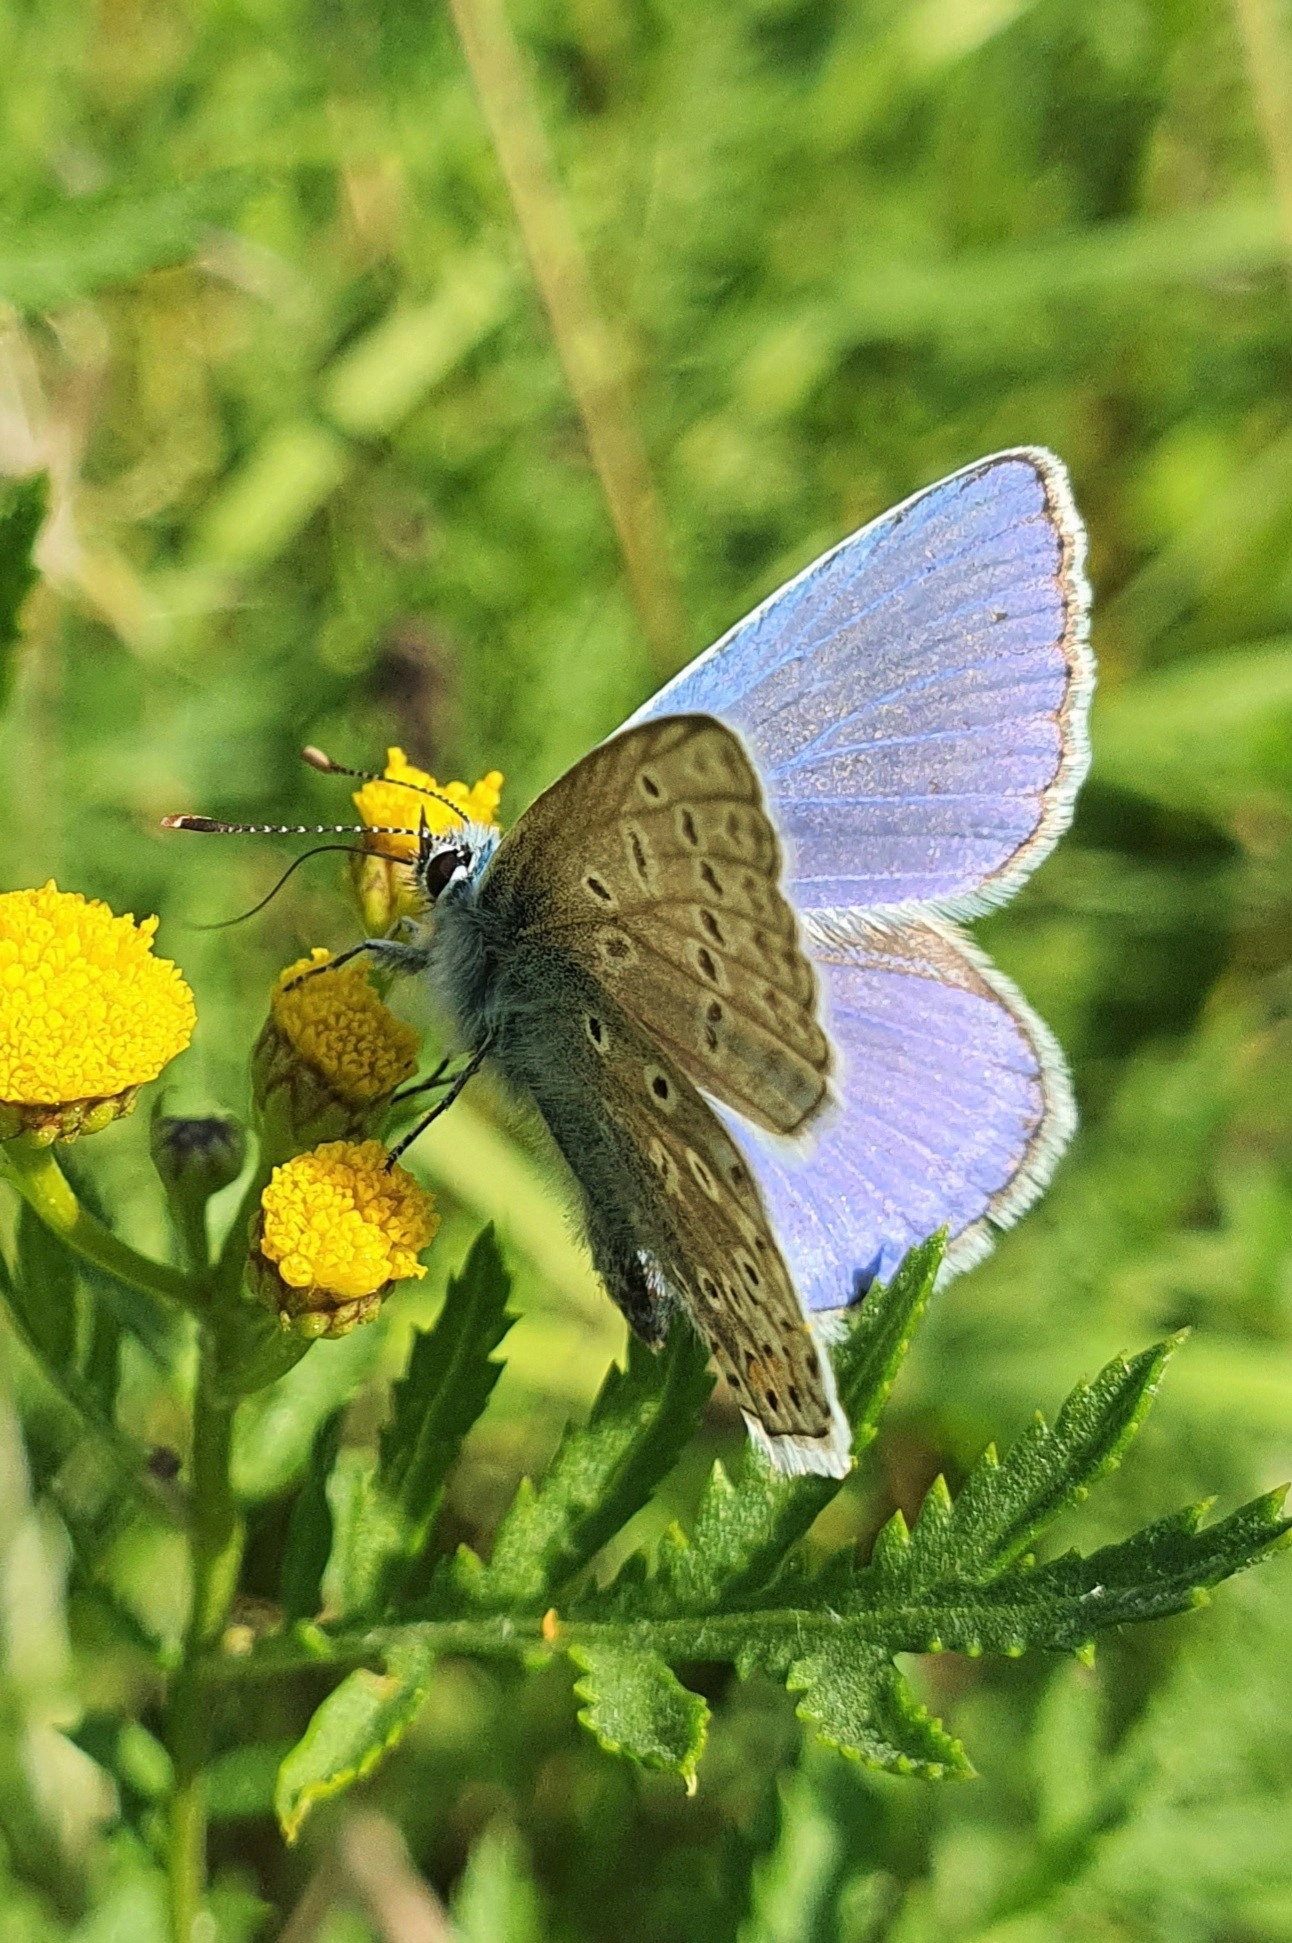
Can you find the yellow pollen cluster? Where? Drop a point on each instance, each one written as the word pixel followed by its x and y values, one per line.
pixel 386 804
pixel 337 1220
pixel 86 1010
pixel 337 1024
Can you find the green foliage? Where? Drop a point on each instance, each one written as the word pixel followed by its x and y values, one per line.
pixel 963 1578
pixel 373 1519
pixel 603 1472
pixel 353 1730
pixel 496 1900
pixel 22 513
pixel 637 1706
pixel 87 243
pixel 321 479
pixel 449 1380
pixel 308 1545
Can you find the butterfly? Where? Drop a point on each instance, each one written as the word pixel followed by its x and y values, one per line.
pixel 722 954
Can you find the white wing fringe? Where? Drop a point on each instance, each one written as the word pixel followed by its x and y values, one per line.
pixel 828 1456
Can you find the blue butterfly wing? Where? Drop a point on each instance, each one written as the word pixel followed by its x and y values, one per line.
pixel 916 704
pixel 916 700
pixel 953 1107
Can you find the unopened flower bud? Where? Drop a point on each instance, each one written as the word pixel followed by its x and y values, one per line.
pixel 198 1156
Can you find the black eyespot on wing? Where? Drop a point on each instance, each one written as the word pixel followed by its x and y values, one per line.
pixel 659 1086
pixel 639 855
pixel 649 785
pixel 598 889
pixel 689 832
pixel 704 958
pixel 711 878
pixel 712 926
pixel 596 1031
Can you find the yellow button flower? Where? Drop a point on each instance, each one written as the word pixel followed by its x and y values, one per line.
pixel 331 1053
pixel 88 1014
pixel 386 803
pixel 336 1228
pixel 382 881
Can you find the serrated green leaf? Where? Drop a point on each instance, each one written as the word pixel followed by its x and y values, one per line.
pixel 309 1532
pixel 858 1702
pixel 353 1731
pixel 744 1529
pixel 1168 1567
pixel 22 513
pixel 1004 1504
pixel 448 1381
pixel 601 1474
pixel 832 1633
pixel 637 1706
pixel 90 242
pixel 376 1515
pixel 879 1330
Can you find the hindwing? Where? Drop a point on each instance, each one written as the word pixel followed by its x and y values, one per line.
pixel 673 1213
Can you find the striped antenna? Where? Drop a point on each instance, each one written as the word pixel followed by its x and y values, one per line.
pixel 326 767
pixel 211 826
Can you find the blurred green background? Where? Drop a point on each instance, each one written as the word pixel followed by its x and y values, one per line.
pixel 320 474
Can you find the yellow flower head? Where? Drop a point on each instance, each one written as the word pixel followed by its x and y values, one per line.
pixel 337 1227
pixel 385 803
pixel 329 1057
pixel 337 1024
pixel 87 1013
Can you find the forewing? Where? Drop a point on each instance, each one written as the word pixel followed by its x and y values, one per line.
pixel 955 1107
pixel 654 862
pixel 916 700
pixel 667 1188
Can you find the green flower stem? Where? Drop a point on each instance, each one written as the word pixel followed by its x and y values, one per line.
pixel 215 1549
pixel 36 1175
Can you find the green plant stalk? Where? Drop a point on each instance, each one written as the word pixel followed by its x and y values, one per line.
pixel 216 1536
pixel 36 1175
pixel 215 1551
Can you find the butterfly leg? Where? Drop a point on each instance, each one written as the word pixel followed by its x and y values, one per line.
pixel 471 1068
pixel 400 957
pixel 438 1078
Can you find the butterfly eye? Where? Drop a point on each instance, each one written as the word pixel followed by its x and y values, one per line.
pixel 439 869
